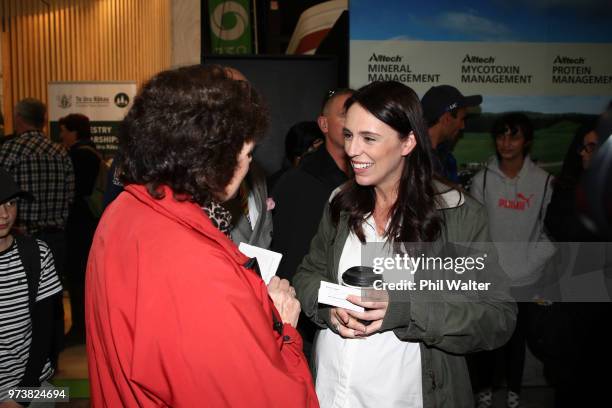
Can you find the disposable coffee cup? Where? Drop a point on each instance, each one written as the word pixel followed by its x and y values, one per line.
pixel 360 277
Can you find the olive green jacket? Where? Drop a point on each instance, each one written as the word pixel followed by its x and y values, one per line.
pixel 448 325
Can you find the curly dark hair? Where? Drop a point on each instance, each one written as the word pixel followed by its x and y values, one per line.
pixel 186 129
pixel 413 216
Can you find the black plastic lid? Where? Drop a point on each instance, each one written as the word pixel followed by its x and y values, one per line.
pixel 360 276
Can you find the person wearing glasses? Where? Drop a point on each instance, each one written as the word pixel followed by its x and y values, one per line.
pixel 405 349
pixel 562 207
pixel 516 193
pixel 569 219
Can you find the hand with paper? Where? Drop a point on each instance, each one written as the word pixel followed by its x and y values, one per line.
pixel 351 308
pixel 283 296
pixel 268 260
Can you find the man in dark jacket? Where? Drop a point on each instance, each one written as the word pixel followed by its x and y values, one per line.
pixel 301 193
pixel 300 196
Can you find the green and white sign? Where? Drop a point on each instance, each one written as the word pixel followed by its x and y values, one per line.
pixel 104 103
pixel 230 26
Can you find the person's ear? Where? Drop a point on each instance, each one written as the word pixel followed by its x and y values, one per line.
pixel 322 122
pixel 408 144
pixel 445 118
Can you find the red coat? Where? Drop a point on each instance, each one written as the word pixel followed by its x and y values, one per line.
pixel 174 319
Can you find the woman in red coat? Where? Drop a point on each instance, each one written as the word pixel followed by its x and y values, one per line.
pixel 175 314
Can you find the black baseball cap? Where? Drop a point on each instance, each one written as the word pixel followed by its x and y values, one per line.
pixel 445 98
pixel 9 189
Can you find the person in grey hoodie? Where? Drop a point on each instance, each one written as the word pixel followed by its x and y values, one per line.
pixel 516 193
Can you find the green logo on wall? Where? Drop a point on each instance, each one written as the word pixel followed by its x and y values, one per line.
pixel 230 26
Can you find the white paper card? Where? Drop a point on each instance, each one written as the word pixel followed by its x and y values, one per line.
pixel 335 295
pixel 268 260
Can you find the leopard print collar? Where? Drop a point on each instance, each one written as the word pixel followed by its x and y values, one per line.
pixel 219 216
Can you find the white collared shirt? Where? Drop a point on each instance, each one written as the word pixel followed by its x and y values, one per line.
pixel 378 371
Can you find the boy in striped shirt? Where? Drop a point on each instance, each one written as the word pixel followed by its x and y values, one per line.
pixel 26 328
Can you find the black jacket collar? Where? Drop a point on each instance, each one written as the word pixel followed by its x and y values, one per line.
pixel 322 166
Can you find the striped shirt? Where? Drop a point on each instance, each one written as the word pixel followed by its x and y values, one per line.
pixel 15 323
pixel 44 169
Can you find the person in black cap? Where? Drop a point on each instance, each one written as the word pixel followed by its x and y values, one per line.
pixel 9 193
pixel 445 109
pixel 27 306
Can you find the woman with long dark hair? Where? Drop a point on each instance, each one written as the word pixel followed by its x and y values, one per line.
pixel 563 218
pixel 404 349
pixel 176 316
pixel 576 365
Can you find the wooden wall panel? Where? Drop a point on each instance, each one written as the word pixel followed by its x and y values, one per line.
pixel 80 40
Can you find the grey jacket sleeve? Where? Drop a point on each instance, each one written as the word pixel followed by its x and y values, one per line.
pixel 476 187
pixel 313 270
pixel 457 321
pixel 547 197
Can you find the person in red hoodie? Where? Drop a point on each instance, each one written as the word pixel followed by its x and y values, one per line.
pixel 176 316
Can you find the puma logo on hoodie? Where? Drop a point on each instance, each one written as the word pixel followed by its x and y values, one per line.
pixel 520 203
pixel 516 208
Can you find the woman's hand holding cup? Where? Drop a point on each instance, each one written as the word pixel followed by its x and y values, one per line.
pixel 376 308
pixel 347 326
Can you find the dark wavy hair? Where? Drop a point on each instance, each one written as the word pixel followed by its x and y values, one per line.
pixel 413 216
pixel 186 129
pixel 572 170
pixel 514 122
pixel 300 138
pixel 79 123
